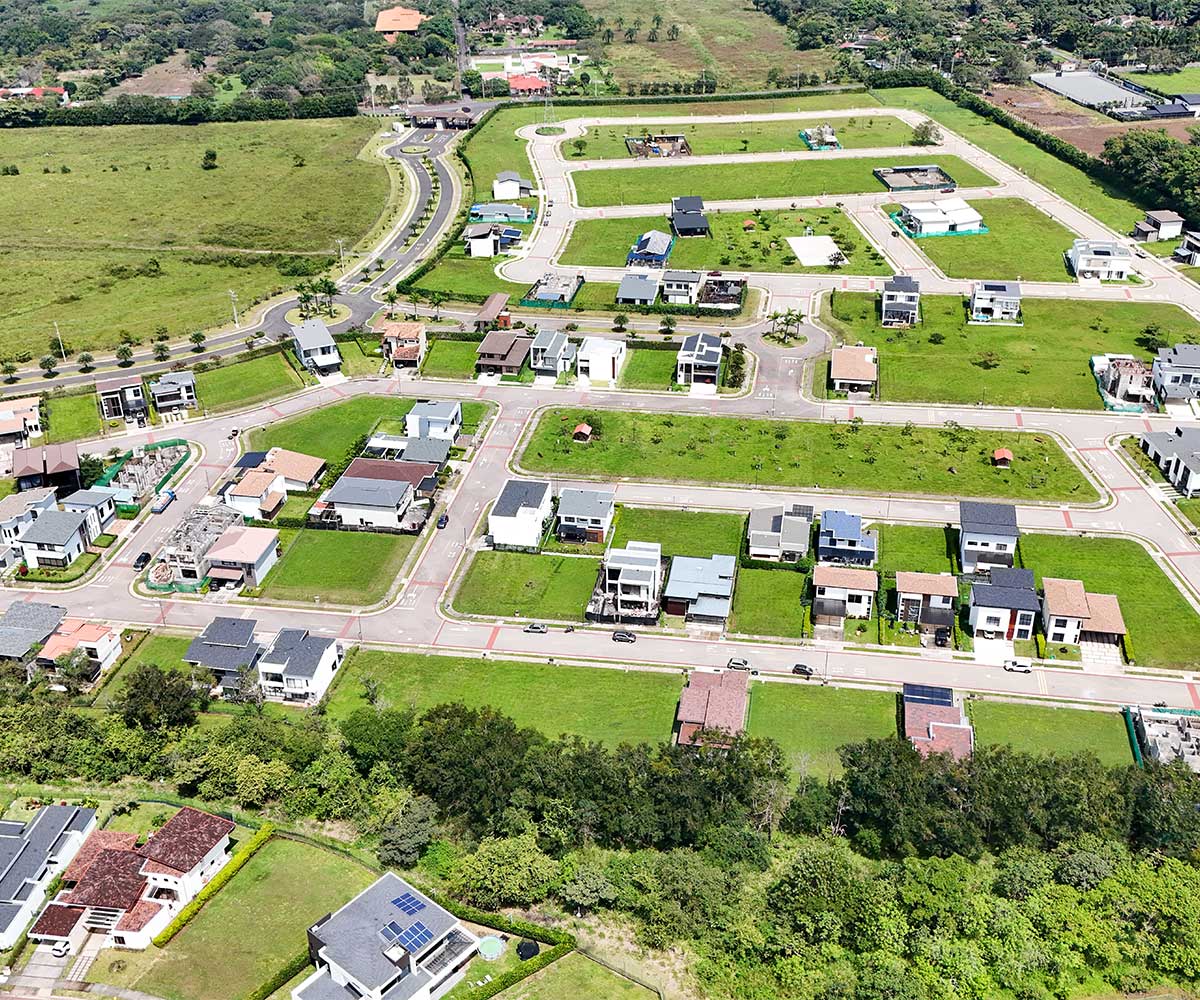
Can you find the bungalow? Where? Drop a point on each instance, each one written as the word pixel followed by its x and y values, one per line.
pixel 100 508
pixel 524 85
pixel 122 398
pixel 489 239
pixel 1006 606
pixel 366 504
pixel 901 301
pixel 585 515
pixel 1104 260
pixel 498 211
pixel 99 644
pixel 780 534
pixel 841 539
pixel 509 186
pixel 20 420
pixel 243 555
pixel 315 347
pixel 301 473
pixel 502 352
pixel 681 287
pixel 840 593
pixel 551 353
pixel 934 722
pixel 298 667
pixel 174 391
pixel 421 476
pixel 1177 454
pixel 701 590
pixel 699 360
pixel 651 249
pixel 629 584
pixel 688 218
pixel 26 624
pixel 996 301
pixel 637 290
pixel 987 535
pixel 54 465
pixel 940 218
pixel 394 21
pixel 430 418
pixel 599 359
pixel 1175 373
pixel 1161 225
pixel 257 496
pixel 854 369
pixel 226 647
pixel 926 600
pixel 518 518
pixel 494 313
pixel 55 540
pixel 1188 252
pixel 403 344
pixel 712 702
pixel 1073 616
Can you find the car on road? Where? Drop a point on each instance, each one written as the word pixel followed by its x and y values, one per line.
pixel 622 636
pixel 162 501
pixel 443 520
pixel 233 432
pixel 738 663
pixel 802 670
pixel 142 561
pixel 536 628
pixel 1018 666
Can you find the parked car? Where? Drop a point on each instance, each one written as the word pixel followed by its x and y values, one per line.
pixel 738 663
pixel 1018 666
pixel 162 501
pixel 60 949
pixel 536 628
pixel 624 637
pixel 233 432
pixel 142 561
pixel 941 637
pixel 443 520
pixel 802 670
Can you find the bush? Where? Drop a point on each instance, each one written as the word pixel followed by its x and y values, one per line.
pixel 286 972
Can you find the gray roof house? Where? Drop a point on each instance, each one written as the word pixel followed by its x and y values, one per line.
pixel 1177 454
pixel 25 624
pixel 987 535
pixel 434 418
pixel 56 539
pixel 681 287
pixel 638 290
pixel 585 515
pixel 1007 605
pixel 173 391
pixel 779 534
pixel 700 589
pixel 551 353
pixel 298 666
pixel 699 359
pixel 901 301
pixel 368 492
pixel 842 539
pixel 518 517
pixel 435 450
pixel 225 647
pixel 315 346
pixel 1176 373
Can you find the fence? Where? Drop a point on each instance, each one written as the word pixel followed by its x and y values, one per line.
pixel 111 473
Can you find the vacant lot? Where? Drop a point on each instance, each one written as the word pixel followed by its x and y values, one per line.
pixel 1043 363
pixel 72 417
pixel 681 532
pixel 451 359
pixel 338 567
pixel 574 976
pixel 916 549
pixel 246 382
pixel 163 650
pixel 1046 730
pixel 610 706
pixel 767 602
pixel 518 584
pixel 647 369
pixel 951 460
pixel 1184 81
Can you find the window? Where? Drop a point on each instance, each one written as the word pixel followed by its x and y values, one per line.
pixel 992 621
pixel 1001 547
pixel 854 598
pixel 1060 623
pixel 1056 637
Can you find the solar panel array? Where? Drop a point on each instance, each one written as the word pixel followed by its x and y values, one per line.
pixel 415 938
pixel 389 932
pixel 408 904
pixel 924 694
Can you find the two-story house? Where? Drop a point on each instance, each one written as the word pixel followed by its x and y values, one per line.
pixel 699 360
pixel 55 540
pixel 1188 251
pixel 243 555
pixel 100 508
pixel 926 600
pixel 1006 606
pixel 996 302
pixel 987 535
pixel 174 391
pixel 629 584
pixel 1072 615
pixel 585 515
pixel 367 504
pixel 1175 373
pixel 298 667
pixel 19 510
pixel 502 352
pixel 781 533
pixel 600 359
pixel 1177 454
pixel 840 592
pixel 121 398
pixel 901 304
pixel 315 347
pixel 681 287
pixel 257 496
pixel 841 538
pixel 403 343
pixel 226 647
pixel 518 518
pixel 551 353
pixel 1160 225
pixel 1103 260
pixel 442 419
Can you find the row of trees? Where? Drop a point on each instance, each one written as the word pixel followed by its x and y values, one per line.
pixel 1158 167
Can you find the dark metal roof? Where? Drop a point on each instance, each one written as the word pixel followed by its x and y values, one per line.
pixel 987 518
pixel 517 494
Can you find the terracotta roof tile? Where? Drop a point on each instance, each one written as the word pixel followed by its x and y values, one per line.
pixel 184 840
pixel 97 841
pixel 844 576
pixel 1066 598
pixel 935 584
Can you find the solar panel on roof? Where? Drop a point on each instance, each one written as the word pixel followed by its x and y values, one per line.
pixel 408 904
pixel 415 938
pixel 387 933
pixel 924 694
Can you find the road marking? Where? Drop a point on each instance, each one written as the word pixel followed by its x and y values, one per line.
pixel 491 643
pixel 350 622
pixel 1020 419
pixel 1067 518
pixel 1195 695
pixel 1041 682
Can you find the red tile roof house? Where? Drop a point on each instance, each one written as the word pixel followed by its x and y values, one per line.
pixel 712 703
pixel 937 728
pixel 129 894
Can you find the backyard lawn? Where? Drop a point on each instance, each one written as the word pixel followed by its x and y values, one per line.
pixel 327 432
pixel 647 369
pixel 450 359
pixel 161 649
pixel 573 977
pixel 681 532
pixel 338 567
pixel 1043 729
pixel 950 460
pixel 70 418
pixel 522 585
pixel 246 382
pixel 610 706
pixel 915 548
pixel 767 602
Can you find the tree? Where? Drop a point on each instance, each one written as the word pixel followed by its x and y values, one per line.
pixel 630 34
pixel 673 33
pixel 161 351
pixel 154 698
pixel 124 354
pixel 391 297
pixel 506 871
pixel 209 160
pixel 586 886
pixel 249 692
pixel 9 368
pixel 579 145
pixel 197 339
pixel 85 362
pixel 620 321
pixel 402 843
pixel 436 298
pixel 667 324
pixel 48 364
pixel 926 134
pixel 91 468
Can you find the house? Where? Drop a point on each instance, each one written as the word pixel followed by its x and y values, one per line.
pixel 243 555
pixel 55 540
pixel 1175 373
pixel 421 476
pixel 518 518
pixel 996 301
pixel 367 505
pixel 494 313
pixel 820 137
pixel 637 290
pixel 701 590
pixel 722 292
pixel 99 644
pixel 553 291
pixel 681 287
pixel 226 647
pixel 940 218
pixel 551 353
pixel 509 186
pixel 934 722
pixel 426 451
pixel 315 347
pixel 122 398
pixel 489 239
pixel 174 391
pixel 651 249
pixel 430 418
pixel 497 211
pixel 1006 606
pixel 585 515
pixel 390 941
pixel 599 359
pixel 1167 735
pixel 840 592
pixel 257 496
pixel 699 360
pixel 779 534
pixel 987 535
pixel 26 624
pixel 926 600
pixel 524 85
pixel 301 473
pixel 1161 225
pixel 32 855
pixel 688 218
pixel 55 465
pixel 629 584
pixel 712 702
pixel 502 352
pixel 841 539
pixel 403 344
pixel 901 301
pixel 854 369
pixel 1104 260
pixel 18 510
pixel 1177 454
pixel 298 667
pixel 393 21
pixel 185 551
pixel 1188 252
pixel 1002 458
pixel 20 420
pixel 1073 616
pixel 1124 378
pixel 100 508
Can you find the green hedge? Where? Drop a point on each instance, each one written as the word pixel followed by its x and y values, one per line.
pixel 516 975
pixel 1039 642
pixel 284 974
pixel 184 917
pixel 1127 649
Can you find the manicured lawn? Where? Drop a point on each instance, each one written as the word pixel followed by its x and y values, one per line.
pixel 796 178
pixel 456 274
pixel 915 548
pixel 338 567
pixel 1163 629
pixel 7 487
pixel 949 461
pixel 245 932
pixel 296 505
pixel 161 649
pixel 520 584
pixel 1022 243
pixel 647 369
pixel 610 706
pixel 65 575
pixel 605 242
pixel 1191 272
pixel 1190 509
pixel 329 431
pixel 451 359
pixel 1183 81
pixel 572 977
pixel 767 602
pixel 681 532
pixel 1046 730
pixel 72 417
pixel 1043 363
pixel 357 362
pixel 246 383
pixel 810 722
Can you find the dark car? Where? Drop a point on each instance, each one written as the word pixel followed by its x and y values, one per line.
pixel 941 637
pixel 443 520
pixel 537 628
pixel 802 670
pixel 142 561
pixel 624 637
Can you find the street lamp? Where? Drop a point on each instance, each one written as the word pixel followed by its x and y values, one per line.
pixel 341 250
pixel 233 299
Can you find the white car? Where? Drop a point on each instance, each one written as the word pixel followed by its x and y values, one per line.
pixel 1018 666
pixel 60 949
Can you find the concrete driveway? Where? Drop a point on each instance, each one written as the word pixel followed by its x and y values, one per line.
pixel 42 970
pixel 992 650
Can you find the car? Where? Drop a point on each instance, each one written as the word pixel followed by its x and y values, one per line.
pixel 162 501
pixel 60 949
pixel 466 108
pixel 738 663
pixel 624 637
pixel 895 232
pixel 949 190
pixel 142 561
pixel 941 637
pixel 233 432
pixel 802 670
pixel 443 520
pixel 1018 666
pixel 536 628
pixel 395 107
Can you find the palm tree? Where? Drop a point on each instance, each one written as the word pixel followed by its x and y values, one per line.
pixel 197 340
pixel 673 33
pixel 630 34
pixel 124 354
pixel 667 324
pixel 436 298
pixel 619 321
pixel 775 317
pixel 48 364
pixel 391 297
pixel 161 351
pixel 305 298
pixel 608 36
pixel 85 361
pixel 656 21
pixel 416 297
pixel 328 287
pixel 652 35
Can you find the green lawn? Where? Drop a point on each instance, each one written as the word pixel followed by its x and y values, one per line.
pixel 246 382
pixel 338 567
pixel 247 931
pixel 767 602
pixel 329 431
pixel 1190 509
pixel 1164 630
pixel 647 369
pixel 915 548
pixel 1043 363
pixel 574 976
pixel 810 722
pixel 1045 730
pixel 610 706
pixel 456 275
pixel 296 505
pixel 1191 272
pixel 450 359
pixel 1183 81
pixel 161 649
pixel 795 178
pixel 1022 243
pixel 948 461
pixel 511 584
pixel 357 362
pixel 70 418
pixel 681 532
pixel 606 242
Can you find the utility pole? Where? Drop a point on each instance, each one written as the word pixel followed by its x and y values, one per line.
pixel 341 250
pixel 61 350
pixel 233 299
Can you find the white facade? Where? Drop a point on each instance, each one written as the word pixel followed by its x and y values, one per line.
pixel 1104 260
pixel 435 420
pixel 19 510
pixel 54 555
pixel 977 547
pixel 681 287
pixel 1000 621
pixel 101 510
pixel 600 359
pixel 299 672
pixel 518 518
pixel 249 496
pixel 858 601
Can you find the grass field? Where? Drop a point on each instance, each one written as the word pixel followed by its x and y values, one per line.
pixel 1163 629
pixel 1184 81
pixel 915 548
pixel 574 976
pixel 1047 730
pixel 247 931
pixel 246 382
pixel 681 532
pixel 606 242
pixel 70 418
pixel 796 178
pixel 163 650
pixel 338 567
pixel 767 602
pixel 456 274
pixel 1043 363
pixel 943 461
pixel 611 706
pixel 450 359
pixel 647 369
pixel 519 584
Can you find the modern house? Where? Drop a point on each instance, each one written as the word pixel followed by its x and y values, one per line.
pixel 367 505
pixel 585 515
pixel 498 211
pixel 315 347
pixel 243 555
pixel 489 239
pixel 390 942
pixel 629 584
pixel 842 539
pixel 987 535
pixel 688 218
pixel 174 391
pixel 502 352
pixel 100 508
pixel 1177 454
pixel 518 518
pixel 509 186
pixel 1073 616
pixel 1188 251
pixel 226 647
pixel 551 353
pixel 901 301
pixel 1006 606
pixel 1161 225
pixel 996 302
pixel 940 218
pixel 638 289
pixel 699 360
pixel 26 624
pixel 821 137
pixel 854 369
pixel 55 540
pixel 18 510
pixel 681 288
pixel 1103 260
pixel 651 249
pixel 298 667
pixel 121 398
pixel 20 420
pixel 99 644
pixel 421 476
pixel 926 600
pixel 493 314
pixel 402 343
pixel 257 496
pixel 701 590
pixel 780 534
pixel 840 592
pixel 934 722
pixel 599 359
pixel 441 419
pixel 55 465
pixel 1176 373
pixel 712 707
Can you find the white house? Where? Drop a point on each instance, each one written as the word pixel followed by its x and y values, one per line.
pixel 100 644
pixel 551 353
pixel 510 185
pixel 55 540
pixel 434 419
pixel 638 289
pixel 1105 260
pixel 901 301
pixel 699 359
pixel 1161 225
pixel 315 347
pixel 926 599
pixel 174 391
pixel 599 359
pixel 681 287
pixel 518 517
pixel 779 534
pixel 489 239
pixel 996 301
pixel 936 218
pixel 366 503
pixel 298 667
pixel 243 555
pixel 987 535
pixel 1188 252
pixel 585 515
pixel 1071 615
pixel 1005 606
pixel 19 510
pixel 100 508
pixel 630 583
pixel 1175 373
pixel 840 592
pixel 258 495
pixel 20 420
pixel 1177 454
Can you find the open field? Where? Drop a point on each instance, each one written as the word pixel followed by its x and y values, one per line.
pixel 1184 81
pixel 949 461
pixel 782 179
pixel 1043 363
pixel 574 976
pixel 72 417
pixel 647 369
pixel 610 706
pixel 338 567
pixel 246 382
pixel 767 602
pixel 456 274
pixel 161 649
pixel 915 548
pixel 1046 730
pixel 519 584
pixel 681 532
pixel 764 247
pixel 450 359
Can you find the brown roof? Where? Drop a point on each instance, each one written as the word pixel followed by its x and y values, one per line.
pixel 48 458
pixel 97 841
pixel 1066 598
pixel 935 584
pixel 57 921
pixel 853 364
pixel 1106 614
pixel 398 19
pixel 394 472
pixel 406 352
pixel 844 576
pixel 114 880
pixel 184 840
pixel 713 701
pixel 937 729
pixel 392 329
pixel 253 484
pixel 143 911
pixel 293 464
pixel 120 382
pixel 493 306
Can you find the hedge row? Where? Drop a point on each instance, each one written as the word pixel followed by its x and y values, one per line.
pixel 519 973
pixel 138 110
pixel 184 916
pixel 285 973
